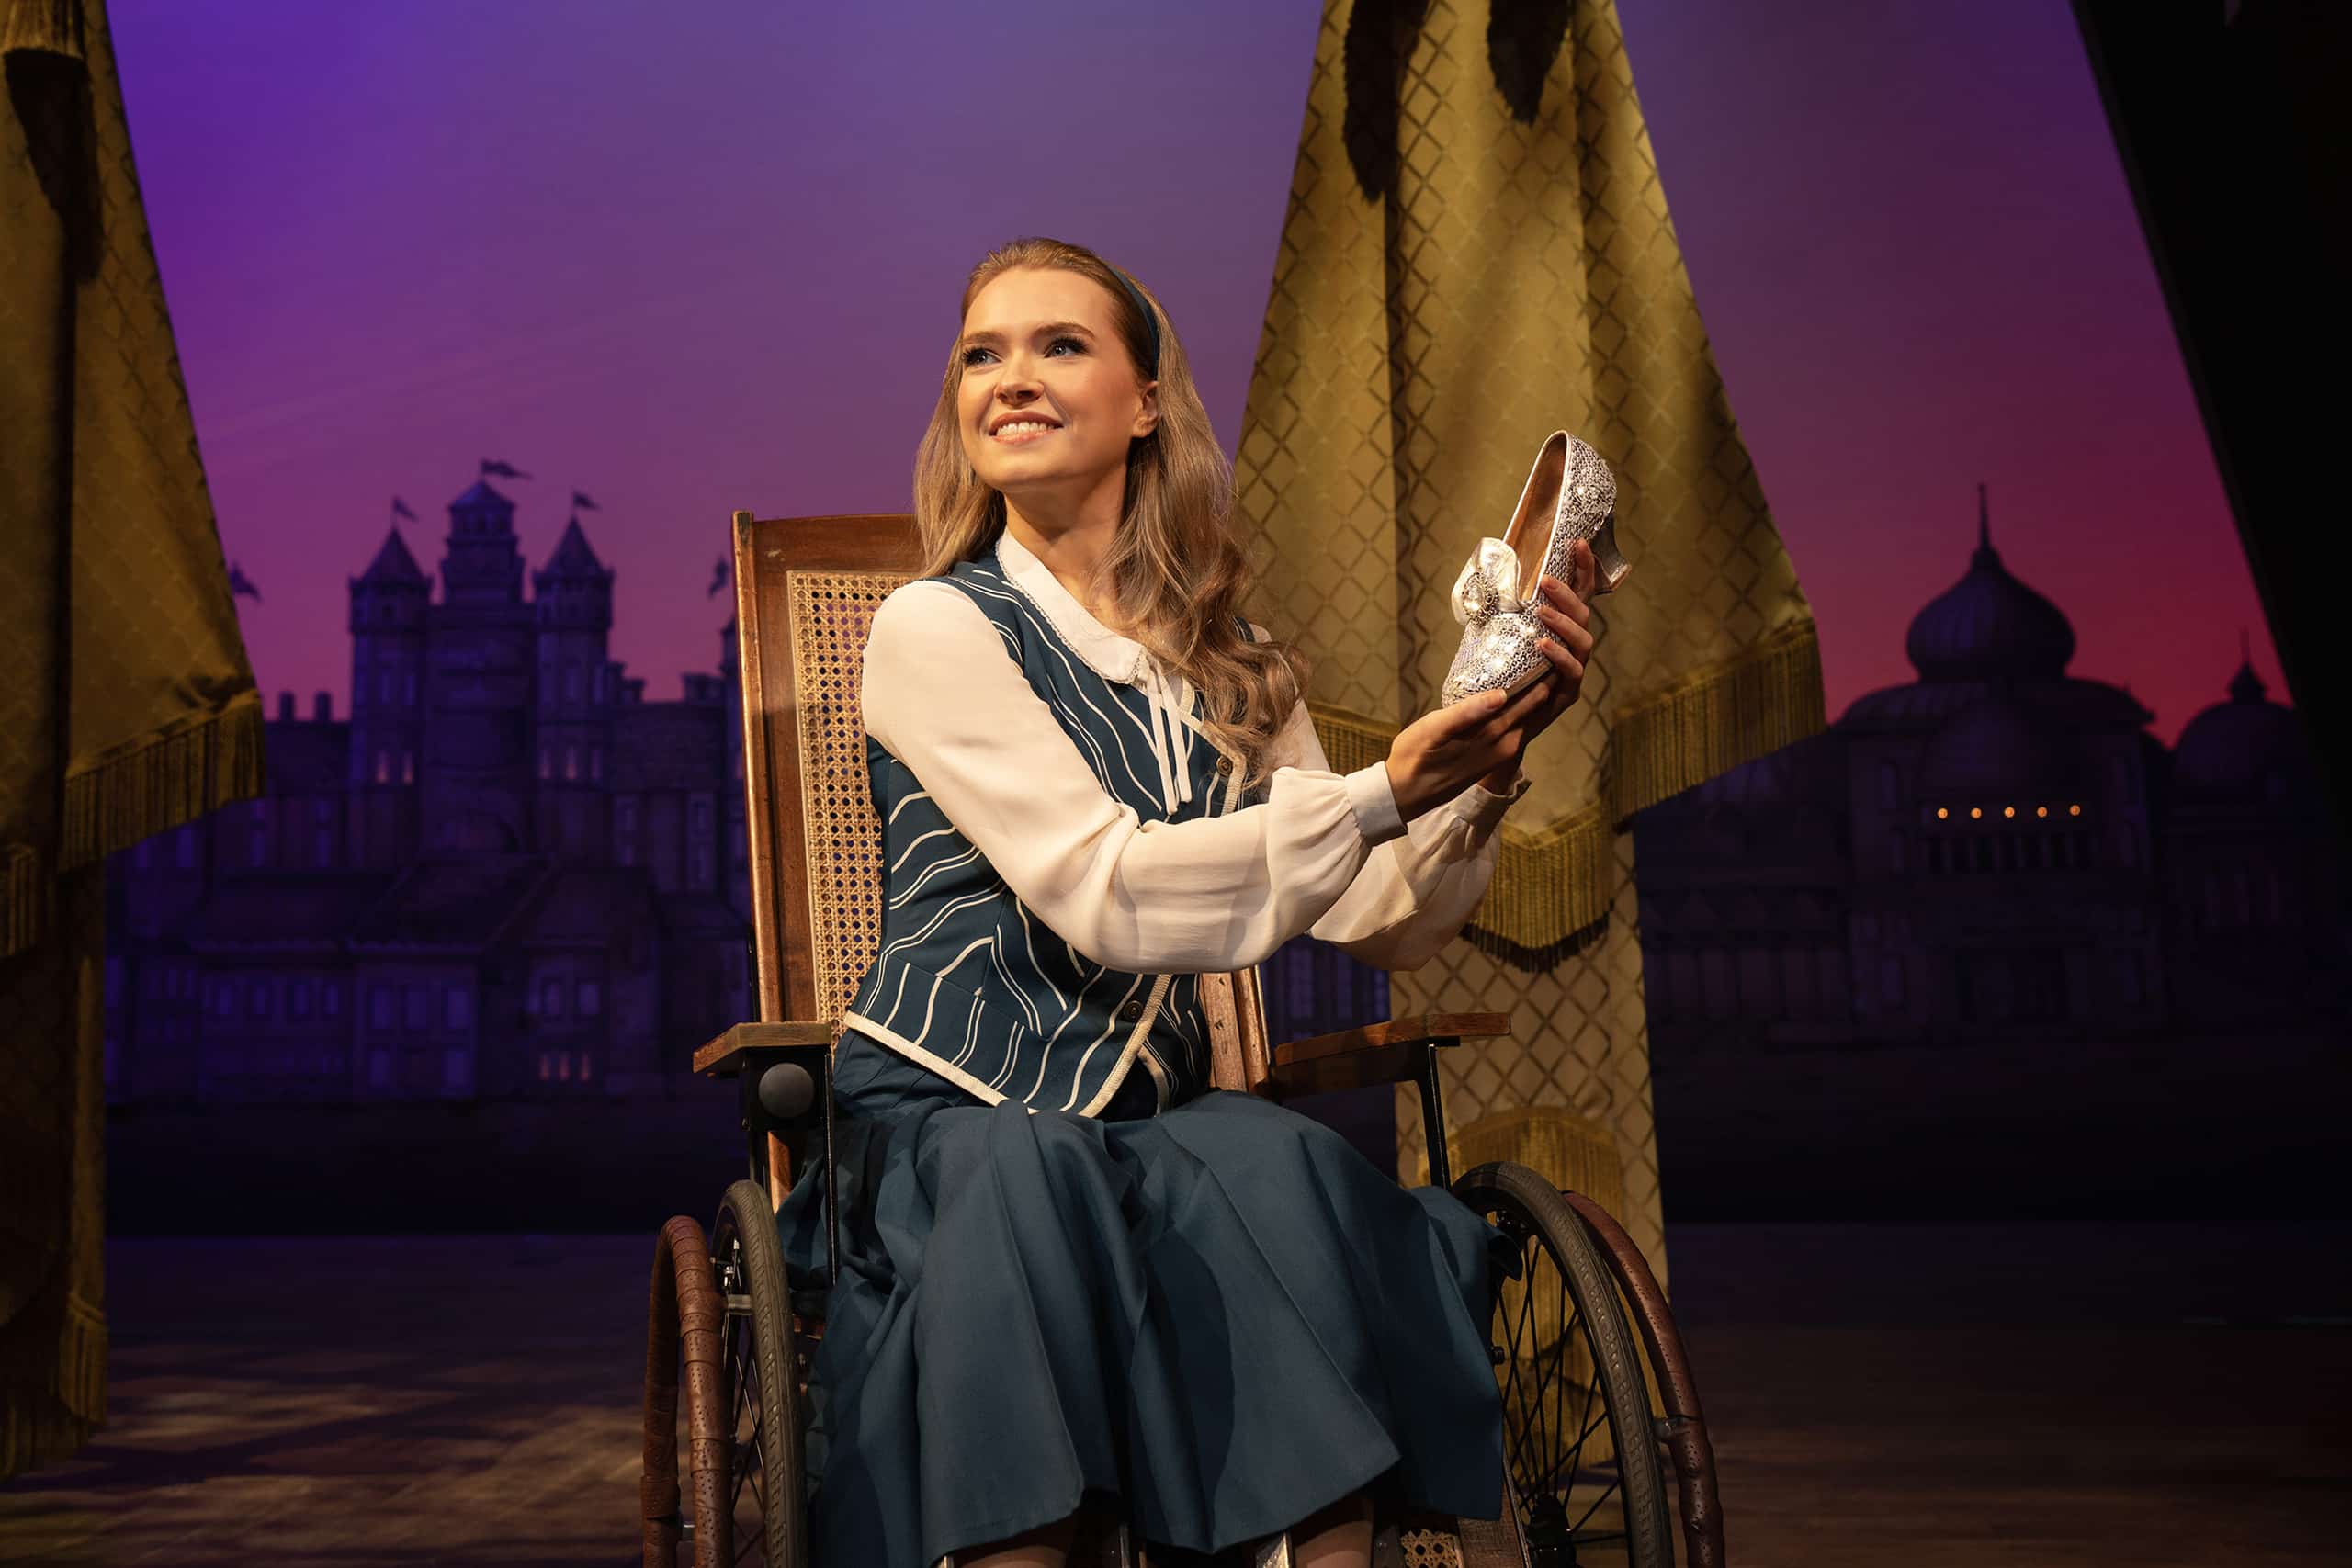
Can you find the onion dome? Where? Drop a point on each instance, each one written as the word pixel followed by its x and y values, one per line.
pixel 1988 625
pixel 1995 752
pixel 2236 748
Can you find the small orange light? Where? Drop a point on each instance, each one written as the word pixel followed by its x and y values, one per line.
pixel 1942 812
pixel 2008 811
pixel 1976 811
pixel 2041 811
pixel 2074 811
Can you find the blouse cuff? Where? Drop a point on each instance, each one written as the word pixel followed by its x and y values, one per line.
pixel 1483 808
pixel 1373 800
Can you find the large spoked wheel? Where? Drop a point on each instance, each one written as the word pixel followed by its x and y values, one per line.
pixel 1577 1440
pixel 759 1383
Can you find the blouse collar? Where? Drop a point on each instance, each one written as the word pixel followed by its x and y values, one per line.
pixel 1109 655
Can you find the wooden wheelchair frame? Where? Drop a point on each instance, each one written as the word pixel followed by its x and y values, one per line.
pixel 783 1068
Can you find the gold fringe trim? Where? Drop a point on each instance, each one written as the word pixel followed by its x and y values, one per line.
pixel 1549 899
pixel 1351 740
pixel 52 27
pixel 197 763
pixel 1712 721
pixel 1551 893
pixel 21 887
pixel 45 1420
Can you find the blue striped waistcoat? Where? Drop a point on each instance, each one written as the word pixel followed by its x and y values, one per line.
pixel 968 982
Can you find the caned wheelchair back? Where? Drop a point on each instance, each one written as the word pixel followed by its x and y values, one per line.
pixel 806 590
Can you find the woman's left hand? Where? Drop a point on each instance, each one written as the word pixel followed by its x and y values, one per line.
pixel 1569 618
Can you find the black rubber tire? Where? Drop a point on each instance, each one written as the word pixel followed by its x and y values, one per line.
pixel 1533 1211
pixel 759 1340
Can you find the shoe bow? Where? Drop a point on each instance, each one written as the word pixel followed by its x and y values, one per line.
pixel 1488 585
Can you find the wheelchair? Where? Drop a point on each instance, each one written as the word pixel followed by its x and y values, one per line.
pixel 1598 1406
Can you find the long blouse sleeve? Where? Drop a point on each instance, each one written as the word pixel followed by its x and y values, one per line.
pixel 1416 891
pixel 1213 894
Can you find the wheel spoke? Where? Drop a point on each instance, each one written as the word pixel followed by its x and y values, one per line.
pixel 1596 1504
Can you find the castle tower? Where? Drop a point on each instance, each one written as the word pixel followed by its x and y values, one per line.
pixel 388 621
pixel 572 604
pixel 476 771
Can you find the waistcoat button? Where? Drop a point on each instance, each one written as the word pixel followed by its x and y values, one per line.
pixel 1130 1013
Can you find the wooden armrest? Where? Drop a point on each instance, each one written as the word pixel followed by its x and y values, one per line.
pixel 723 1057
pixel 1375 1054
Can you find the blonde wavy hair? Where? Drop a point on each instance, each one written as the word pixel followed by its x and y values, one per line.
pixel 1175 575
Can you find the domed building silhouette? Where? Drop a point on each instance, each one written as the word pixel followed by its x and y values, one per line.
pixel 2251 902
pixel 1997 850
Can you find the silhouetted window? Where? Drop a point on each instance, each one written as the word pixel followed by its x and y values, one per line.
pixel 379 1068
pixel 571 682
pixel 595 761
pixel 1890 982
pixel 458 1007
pixel 331 994
pixel 571 761
pixel 297 999
pixel 590 999
pixel 551 998
pixel 379 1007
pixel 224 999
pixel 587 1067
pixel 408 687
pixel 547 762
pixel 1890 787
pixel 457 1071
pixel 417 1013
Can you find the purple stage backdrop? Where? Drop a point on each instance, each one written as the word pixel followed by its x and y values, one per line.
pixel 688 259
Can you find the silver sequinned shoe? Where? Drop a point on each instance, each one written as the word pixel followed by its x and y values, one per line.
pixel 1570 495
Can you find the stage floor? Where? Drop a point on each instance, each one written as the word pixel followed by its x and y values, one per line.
pixel 2037 1396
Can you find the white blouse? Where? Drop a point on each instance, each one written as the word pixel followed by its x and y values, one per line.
pixel 1327 854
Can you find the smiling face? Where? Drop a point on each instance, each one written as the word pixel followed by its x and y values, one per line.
pixel 1049 397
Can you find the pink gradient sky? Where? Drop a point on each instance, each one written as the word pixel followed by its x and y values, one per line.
pixel 691 265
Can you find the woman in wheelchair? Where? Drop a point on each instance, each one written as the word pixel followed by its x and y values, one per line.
pixel 1067 1267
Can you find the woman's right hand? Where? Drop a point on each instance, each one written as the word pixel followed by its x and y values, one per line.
pixel 1441 754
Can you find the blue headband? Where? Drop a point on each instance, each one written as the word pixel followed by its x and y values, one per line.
pixel 1149 320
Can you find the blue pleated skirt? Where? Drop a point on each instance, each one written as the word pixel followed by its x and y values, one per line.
pixel 1223 1315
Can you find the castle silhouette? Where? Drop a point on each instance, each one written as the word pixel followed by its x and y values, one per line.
pixel 507 876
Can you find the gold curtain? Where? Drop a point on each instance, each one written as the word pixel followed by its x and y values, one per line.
pixel 128 707
pixel 1478 252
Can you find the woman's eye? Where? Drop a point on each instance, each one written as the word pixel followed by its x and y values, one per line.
pixel 972 356
pixel 1069 343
